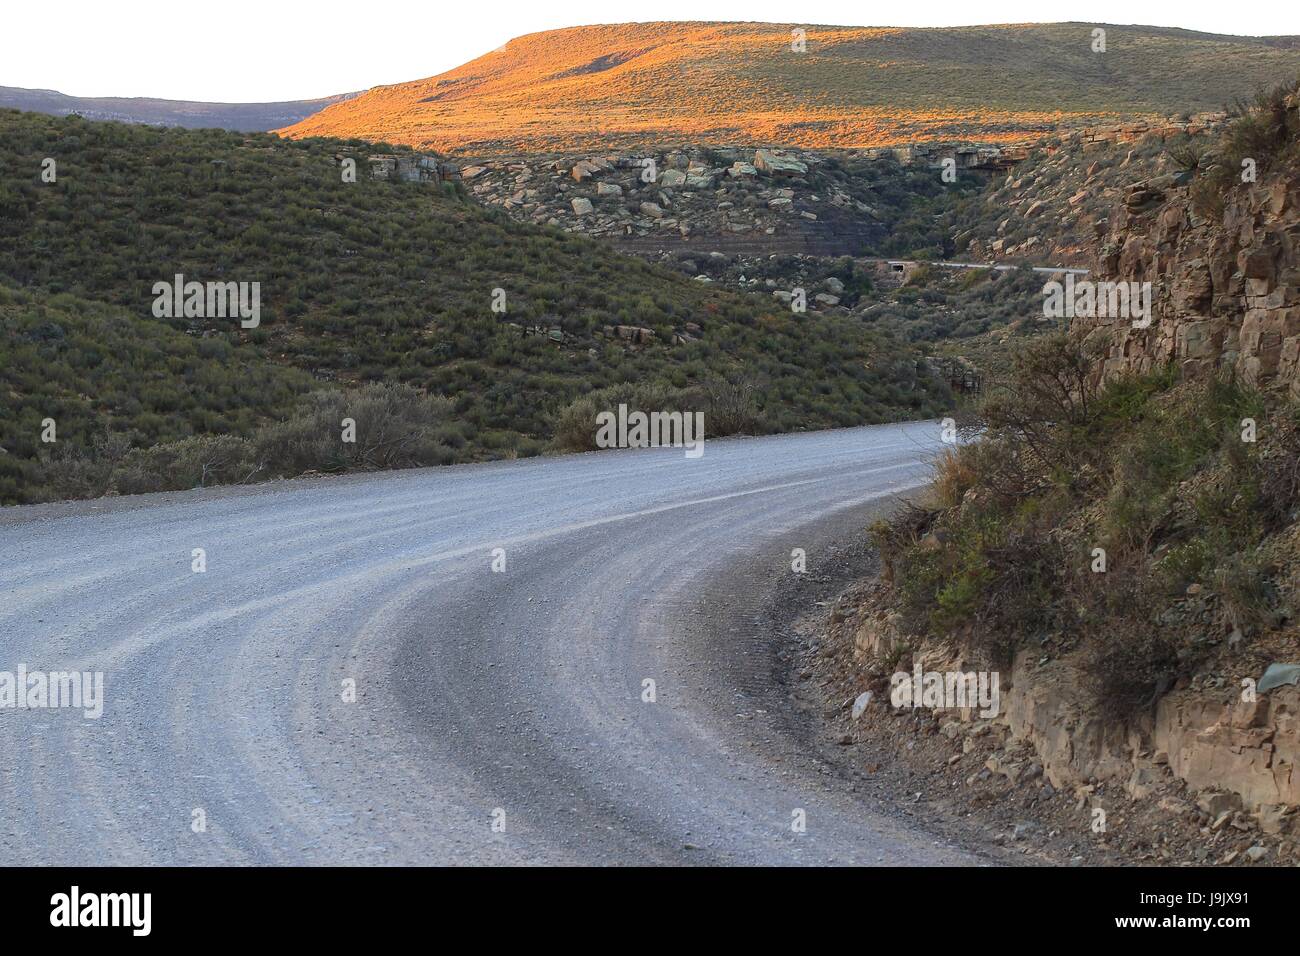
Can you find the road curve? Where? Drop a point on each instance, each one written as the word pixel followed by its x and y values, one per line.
pixel 510 698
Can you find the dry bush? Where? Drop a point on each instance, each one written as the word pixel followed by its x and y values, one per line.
pixel 1279 474
pixel 195 462
pixel 576 427
pixel 732 406
pixel 1046 404
pixel 1266 129
pixel 397 426
pixel 73 471
pixel 955 473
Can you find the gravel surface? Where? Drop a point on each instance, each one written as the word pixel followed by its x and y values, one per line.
pixel 513 698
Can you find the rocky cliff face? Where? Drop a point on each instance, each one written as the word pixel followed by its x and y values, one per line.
pixel 1054 206
pixel 1215 776
pixel 731 200
pixel 1225 289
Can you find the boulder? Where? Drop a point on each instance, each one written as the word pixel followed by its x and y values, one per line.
pixel 1279 675
pixel 635 333
pixel 1272 818
pixel 775 164
pixel 860 704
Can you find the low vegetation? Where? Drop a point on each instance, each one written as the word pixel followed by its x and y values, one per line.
pixel 911 202
pixel 363 283
pixel 1264 133
pixel 1052 207
pixel 730 407
pixel 940 304
pixel 1146 523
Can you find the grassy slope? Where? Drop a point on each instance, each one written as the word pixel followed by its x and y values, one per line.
pixel 365 282
pixel 99 370
pixel 1199 528
pixel 594 87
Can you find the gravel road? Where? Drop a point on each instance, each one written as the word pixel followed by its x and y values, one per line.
pixel 499 715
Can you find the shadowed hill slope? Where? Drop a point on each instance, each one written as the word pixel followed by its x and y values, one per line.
pixel 244 117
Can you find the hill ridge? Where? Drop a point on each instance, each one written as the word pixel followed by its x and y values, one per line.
pixel 741 83
pixel 190 114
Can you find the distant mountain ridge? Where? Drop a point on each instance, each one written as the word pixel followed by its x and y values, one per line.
pixel 236 117
pixel 604 87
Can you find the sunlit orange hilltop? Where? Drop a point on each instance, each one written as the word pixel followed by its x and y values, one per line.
pixel 608 86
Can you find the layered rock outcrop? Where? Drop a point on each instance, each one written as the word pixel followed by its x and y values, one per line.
pixel 1204 736
pixel 731 200
pixel 1225 288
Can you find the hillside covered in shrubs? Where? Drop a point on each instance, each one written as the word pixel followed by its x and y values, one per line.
pixel 372 290
pixel 1129 494
pixel 1142 523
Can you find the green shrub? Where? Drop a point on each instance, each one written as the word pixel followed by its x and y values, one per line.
pixel 390 426
pixel 1150 472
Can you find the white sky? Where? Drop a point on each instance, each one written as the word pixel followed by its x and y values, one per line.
pixel 246 51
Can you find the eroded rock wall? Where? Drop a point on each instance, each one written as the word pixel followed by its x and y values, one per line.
pixel 1207 737
pixel 1225 290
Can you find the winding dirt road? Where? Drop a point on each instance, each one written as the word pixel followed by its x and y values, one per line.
pixel 499 715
